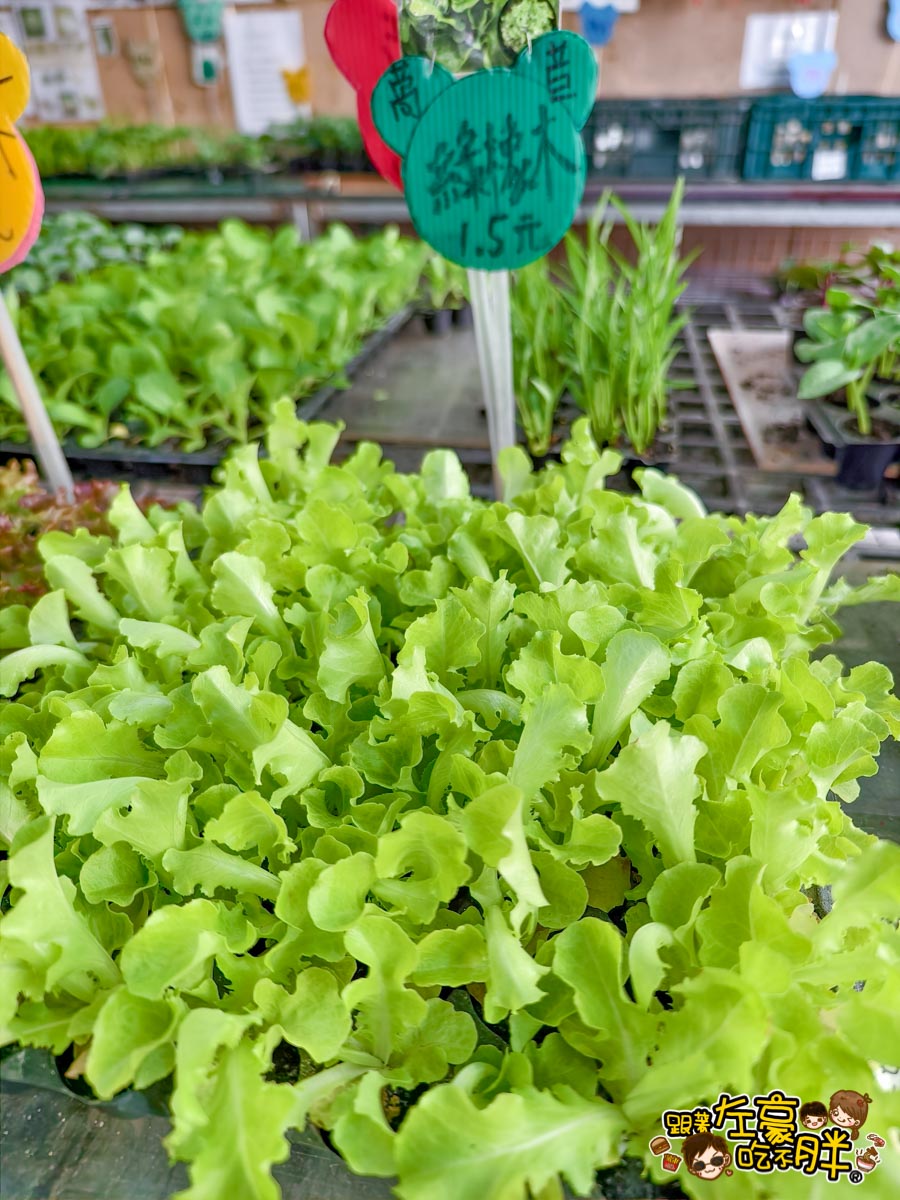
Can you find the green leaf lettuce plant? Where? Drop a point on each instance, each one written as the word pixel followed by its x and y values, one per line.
pixel 444 283
pixel 27 512
pixel 113 151
pixel 497 819
pixel 73 244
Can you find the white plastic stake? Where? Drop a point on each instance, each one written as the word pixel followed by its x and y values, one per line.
pixel 49 453
pixel 493 335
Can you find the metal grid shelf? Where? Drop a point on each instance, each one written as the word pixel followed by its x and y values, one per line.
pixel 435 399
pixel 714 456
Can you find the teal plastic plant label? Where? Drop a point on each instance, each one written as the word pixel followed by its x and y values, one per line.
pixel 493 163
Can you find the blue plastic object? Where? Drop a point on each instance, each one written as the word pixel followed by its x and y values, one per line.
pixel 811 73
pixel 598 23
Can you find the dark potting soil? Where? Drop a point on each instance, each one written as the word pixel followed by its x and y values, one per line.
pixel 660 451
pixel 882 431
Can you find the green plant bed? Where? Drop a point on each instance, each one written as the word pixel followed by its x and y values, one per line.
pixel 73 244
pixel 194 345
pixel 473 834
pixel 146 151
pixel 121 459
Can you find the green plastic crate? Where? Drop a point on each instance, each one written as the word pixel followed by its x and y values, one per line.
pixel 833 138
pixel 662 139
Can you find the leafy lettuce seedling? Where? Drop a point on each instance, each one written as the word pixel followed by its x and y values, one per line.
pixel 499 816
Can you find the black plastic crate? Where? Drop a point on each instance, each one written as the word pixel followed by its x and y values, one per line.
pixel 833 138
pixel 662 139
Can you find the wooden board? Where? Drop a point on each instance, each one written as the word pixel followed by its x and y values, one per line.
pixel 762 385
pixel 762 378
pixel 175 99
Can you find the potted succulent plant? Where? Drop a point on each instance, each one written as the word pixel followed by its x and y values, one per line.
pixel 853 351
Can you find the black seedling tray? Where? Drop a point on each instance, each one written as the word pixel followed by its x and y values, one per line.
pixel 58 1141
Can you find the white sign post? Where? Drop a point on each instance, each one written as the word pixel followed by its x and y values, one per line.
pixel 49 452
pixel 493 336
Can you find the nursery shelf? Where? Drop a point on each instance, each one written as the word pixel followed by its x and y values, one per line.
pixel 716 457
pixel 313 202
pixel 704 205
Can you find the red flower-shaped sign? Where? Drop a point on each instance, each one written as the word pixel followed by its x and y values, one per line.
pixel 363 38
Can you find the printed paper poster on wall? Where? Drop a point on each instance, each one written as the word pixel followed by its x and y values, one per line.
pixel 265 52
pixel 65 85
pixel 771 40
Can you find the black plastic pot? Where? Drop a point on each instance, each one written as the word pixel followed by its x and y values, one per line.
pixel 659 456
pixel 462 317
pixel 356 162
pixel 862 466
pixel 862 461
pixel 539 461
pixel 438 321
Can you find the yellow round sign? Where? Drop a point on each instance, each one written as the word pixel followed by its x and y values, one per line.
pixel 21 197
